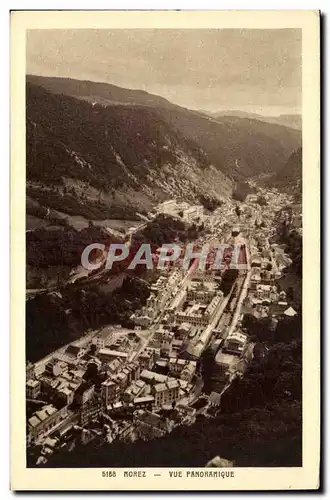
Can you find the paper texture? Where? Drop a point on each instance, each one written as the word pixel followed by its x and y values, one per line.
pixel 280 92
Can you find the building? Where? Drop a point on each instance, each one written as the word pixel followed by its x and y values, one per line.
pixel 166 393
pixel 235 343
pixel 183 331
pixel 187 413
pixel 84 392
pixel 134 390
pixel 168 207
pixel 219 462
pixel 282 261
pixel 33 389
pixel 161 292
pixel 104 337
pixel 75 351
pixel 189 371
pixel 161 366
pixel 152 378
pixel 134 371
pixel 54 368
pixel 29 370
pixel 193 212
pixel 161 339
pixel 110 392
pixel 176 303
pixel 144 403
pixel 106 354
pixel 146 360
pixel 256 262
pixel 91 409
pixel 226 363
pixel 70 359
pixel 142 320
pixel 263 291
pixel 201 291
pixel 66 395
pixel 176 365
pixel 214 399
pixel 114 366
pixel 182 368
pixel 122 379
pixel 44 421
pixel 290 312
pixel 200 314
pixel 150 425
pixel 213 306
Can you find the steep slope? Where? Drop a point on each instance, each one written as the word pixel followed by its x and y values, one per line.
pixel 238 147
pixel 290 177
pixel 110 161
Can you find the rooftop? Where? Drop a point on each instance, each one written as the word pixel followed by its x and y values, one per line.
pixel 105 332
pixel 43 414
pixel 32 383
pixel 160 387
pixel 290 312
pixel 215 398
pixel 225 359
pixel 144 399
pixel 110 352
pixel 149 418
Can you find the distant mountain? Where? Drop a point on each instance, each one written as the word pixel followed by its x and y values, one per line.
pixel 293 121
pixel 238 147
pixel 287 120
pixel 110 161
pixel 103 152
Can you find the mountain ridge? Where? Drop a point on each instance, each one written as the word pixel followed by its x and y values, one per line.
pixel 104 93
pixel 110 156
pixel 293 120
pixel 126 148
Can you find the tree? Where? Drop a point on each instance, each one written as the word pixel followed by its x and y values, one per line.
pixel 261 200
pixel 238 211
pixel 290 294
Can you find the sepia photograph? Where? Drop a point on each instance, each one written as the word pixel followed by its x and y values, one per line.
pixel 164 221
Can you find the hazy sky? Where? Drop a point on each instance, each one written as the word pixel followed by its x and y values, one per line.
pixel 253 70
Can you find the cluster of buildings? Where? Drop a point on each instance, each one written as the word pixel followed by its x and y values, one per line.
pixel 166 287
pixel 123 380
pixel 199 309
pixel 189 213
pixel 262 297
pixel 267 264
pixel 140 383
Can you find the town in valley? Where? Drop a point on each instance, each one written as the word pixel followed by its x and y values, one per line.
pixel 140 383
pixel 173 141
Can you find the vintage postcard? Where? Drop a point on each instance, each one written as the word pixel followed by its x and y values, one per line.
pixel 165 272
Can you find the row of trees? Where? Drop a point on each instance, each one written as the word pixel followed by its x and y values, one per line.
pixel 51 324
pixel 61 247
pixel 166 229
